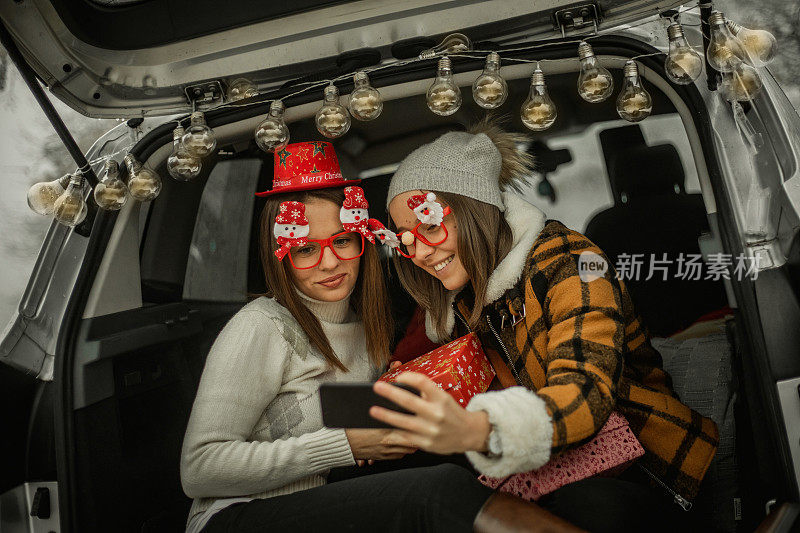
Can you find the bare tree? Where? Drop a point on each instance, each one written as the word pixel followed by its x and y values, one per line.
pixel 31 152
pixel 783 20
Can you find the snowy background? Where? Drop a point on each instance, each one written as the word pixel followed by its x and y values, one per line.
pixel 31 152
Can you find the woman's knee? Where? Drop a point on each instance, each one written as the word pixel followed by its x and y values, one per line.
pixel 447 489
pixel 444 478
pixel 420 484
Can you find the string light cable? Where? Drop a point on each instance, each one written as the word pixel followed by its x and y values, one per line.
pixel 194 139
pixel 472 54
pixel 308 86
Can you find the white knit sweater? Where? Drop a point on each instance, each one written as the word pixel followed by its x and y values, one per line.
pixel 255 430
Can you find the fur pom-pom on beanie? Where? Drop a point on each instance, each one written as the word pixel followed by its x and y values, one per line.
pixel 478 163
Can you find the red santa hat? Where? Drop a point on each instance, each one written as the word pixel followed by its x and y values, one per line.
pixel 418 199
pixel 292 213
pixel 354 198
pixel 306 165
pixel 427 209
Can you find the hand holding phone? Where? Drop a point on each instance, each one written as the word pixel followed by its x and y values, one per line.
pixel 346 405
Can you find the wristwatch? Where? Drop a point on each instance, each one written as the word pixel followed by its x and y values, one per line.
pixel 493 444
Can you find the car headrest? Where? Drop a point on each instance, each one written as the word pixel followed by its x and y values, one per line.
pixel 646 171
pixel 620 140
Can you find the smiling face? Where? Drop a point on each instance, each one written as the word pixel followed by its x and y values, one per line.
pixel 442 261
pixel 332 279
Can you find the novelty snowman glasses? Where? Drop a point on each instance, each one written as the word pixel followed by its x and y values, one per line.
pixel 346 246
pixel 291 231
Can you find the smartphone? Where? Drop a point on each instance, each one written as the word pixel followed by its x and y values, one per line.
pixel 346 405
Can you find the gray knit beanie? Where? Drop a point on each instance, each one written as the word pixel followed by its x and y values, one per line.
pixel 456 162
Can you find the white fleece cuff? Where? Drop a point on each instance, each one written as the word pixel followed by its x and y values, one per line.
pixel 525 429
pixel 327 448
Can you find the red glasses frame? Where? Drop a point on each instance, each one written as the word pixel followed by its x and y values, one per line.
pixel 417 235
pixel 329 243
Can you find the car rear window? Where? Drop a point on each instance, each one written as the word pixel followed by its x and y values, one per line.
pixel 216 269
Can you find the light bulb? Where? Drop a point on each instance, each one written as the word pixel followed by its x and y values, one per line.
pixel 70 208
pixel 633 103
pixel 490 90
pixel 538 111
pixel 743 84
pixel 199 139
pixel 182 165
pixel 683 64
pixel 452 44
pixel 444 96
pixel 111 193
pixel 724 51
pixel 595 83
pixel 143 184
pixel 241 88
pixel 43 195
pixel 760 46
pixel 332 119
pixel 272 134
pixel 365 101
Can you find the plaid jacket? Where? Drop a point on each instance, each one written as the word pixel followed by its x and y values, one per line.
pixel 581 346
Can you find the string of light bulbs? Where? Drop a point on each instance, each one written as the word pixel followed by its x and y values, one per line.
pixel 733 50
pixel 242 88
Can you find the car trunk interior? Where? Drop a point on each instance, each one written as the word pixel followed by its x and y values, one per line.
pixel 137 368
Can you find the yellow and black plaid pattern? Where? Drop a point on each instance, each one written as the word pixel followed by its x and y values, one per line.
pixel 583 349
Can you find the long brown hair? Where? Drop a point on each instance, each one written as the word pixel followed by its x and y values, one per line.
pixel 369 299
pixel 484 239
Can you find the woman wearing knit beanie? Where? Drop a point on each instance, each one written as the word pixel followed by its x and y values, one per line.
pixel 565 341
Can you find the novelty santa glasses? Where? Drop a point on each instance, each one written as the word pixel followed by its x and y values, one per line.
pixel 430 229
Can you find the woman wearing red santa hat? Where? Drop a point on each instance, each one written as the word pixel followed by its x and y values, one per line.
pixel 256 455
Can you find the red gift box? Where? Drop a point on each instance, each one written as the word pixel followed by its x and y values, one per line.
pixel 460 368
pixel 612 450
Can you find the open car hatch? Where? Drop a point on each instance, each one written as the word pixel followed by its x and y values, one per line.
pixel 132 58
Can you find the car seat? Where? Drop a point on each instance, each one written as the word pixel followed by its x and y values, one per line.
pixel 653 215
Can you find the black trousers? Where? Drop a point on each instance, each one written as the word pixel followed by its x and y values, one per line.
pixel 443 498
pixel 624 504
pixel 427 495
